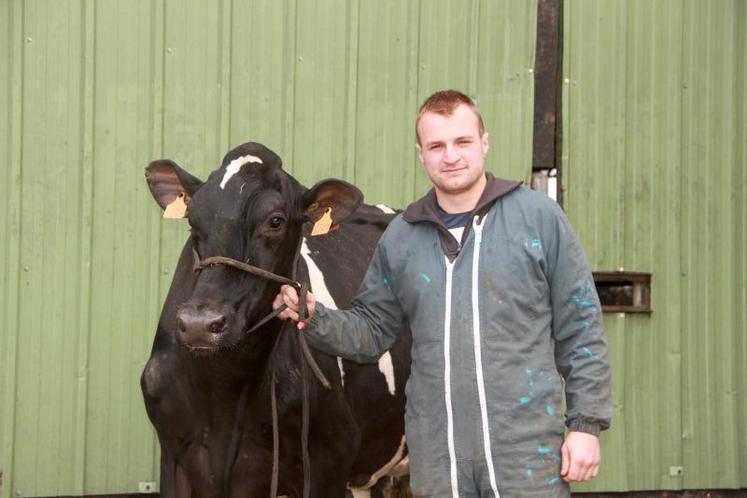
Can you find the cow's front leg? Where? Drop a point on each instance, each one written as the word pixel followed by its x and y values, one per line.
pixel 332 454
pixel 326 482
pixel 174 482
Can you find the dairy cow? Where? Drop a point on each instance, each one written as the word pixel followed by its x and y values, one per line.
pixel 208 385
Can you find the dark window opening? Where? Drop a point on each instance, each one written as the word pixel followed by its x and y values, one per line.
pixel 626 292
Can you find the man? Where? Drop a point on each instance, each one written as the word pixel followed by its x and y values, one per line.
pixel 501 303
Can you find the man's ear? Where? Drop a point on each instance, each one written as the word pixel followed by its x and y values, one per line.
pixel 168 182
pixel 338 196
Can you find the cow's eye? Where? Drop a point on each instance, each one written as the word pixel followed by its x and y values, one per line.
pixel 277 222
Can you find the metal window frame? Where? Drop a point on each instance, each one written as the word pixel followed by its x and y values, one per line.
pixel 641 283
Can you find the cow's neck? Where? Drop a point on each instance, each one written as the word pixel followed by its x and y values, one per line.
pixel 230 370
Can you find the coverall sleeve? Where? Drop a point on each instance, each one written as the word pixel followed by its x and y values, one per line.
pixel 363 333
pixel 580 347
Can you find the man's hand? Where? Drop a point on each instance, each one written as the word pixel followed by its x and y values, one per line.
pixel 581 456
pixel 289 296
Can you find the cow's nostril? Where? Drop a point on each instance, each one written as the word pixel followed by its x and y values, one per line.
pixel 182 326
pixel 217 326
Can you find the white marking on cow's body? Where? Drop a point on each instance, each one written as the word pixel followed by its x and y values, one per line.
pixel 386 368
pixel 235 165
pixel 385 470
pixel 385 208
pixel 321 293
pixel 342 371
pixel 316 279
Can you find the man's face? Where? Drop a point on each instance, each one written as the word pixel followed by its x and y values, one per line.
pixel 453 151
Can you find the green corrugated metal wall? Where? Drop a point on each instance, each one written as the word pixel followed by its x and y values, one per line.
pixel 90 91
pixel 654 170
pixel 654 160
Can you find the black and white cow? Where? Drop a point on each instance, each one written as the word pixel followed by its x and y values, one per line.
pixel 203 359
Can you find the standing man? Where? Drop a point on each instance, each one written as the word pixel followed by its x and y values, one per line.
pixel 505 319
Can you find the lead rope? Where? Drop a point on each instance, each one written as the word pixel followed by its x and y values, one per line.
pixel 305 433
pixel 305 391
pixel 307 361
pixel 275 439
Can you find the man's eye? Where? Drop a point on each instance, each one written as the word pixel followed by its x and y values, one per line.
pixel 276 222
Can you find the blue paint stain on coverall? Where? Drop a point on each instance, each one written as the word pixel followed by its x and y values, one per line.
pixel 534 244
pixel 584 297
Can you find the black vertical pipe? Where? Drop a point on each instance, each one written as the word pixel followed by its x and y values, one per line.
pixel 548 70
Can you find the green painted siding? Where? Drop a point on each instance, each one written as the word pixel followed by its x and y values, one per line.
pixel 91 91
pixel 654 176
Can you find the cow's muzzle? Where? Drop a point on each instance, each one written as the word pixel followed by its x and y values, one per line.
pixel 201 329
pixel 302 287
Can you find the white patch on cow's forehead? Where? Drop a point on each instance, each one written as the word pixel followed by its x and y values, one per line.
pixel 316 279
pixel 386 367
pixel 235 165
pixel 385 208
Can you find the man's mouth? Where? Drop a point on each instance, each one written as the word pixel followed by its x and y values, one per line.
pixel 454 170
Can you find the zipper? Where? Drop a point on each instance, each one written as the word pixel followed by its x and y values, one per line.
pixel 477 229
pixel 447 379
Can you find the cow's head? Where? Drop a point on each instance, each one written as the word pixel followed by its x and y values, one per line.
pixel 249 210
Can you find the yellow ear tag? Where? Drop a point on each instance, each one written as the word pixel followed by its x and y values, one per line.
pixel 323 224
pixel 176 209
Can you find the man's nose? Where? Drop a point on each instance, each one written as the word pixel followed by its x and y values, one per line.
pixel 450 154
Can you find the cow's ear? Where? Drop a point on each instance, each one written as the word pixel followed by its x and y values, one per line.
pixel 340 197
pixel 168 182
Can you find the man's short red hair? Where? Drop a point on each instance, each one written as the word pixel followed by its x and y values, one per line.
pixel 444 103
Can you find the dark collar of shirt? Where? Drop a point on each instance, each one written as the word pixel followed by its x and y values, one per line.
pixel 454 220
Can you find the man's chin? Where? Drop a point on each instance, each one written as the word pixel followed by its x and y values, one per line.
pixel 457 186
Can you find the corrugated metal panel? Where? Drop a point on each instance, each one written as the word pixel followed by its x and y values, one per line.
pixel 91 91
pixel 654 160
pixel 714 277
pixel 119 448
pixel 48 327
pixel 10 87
